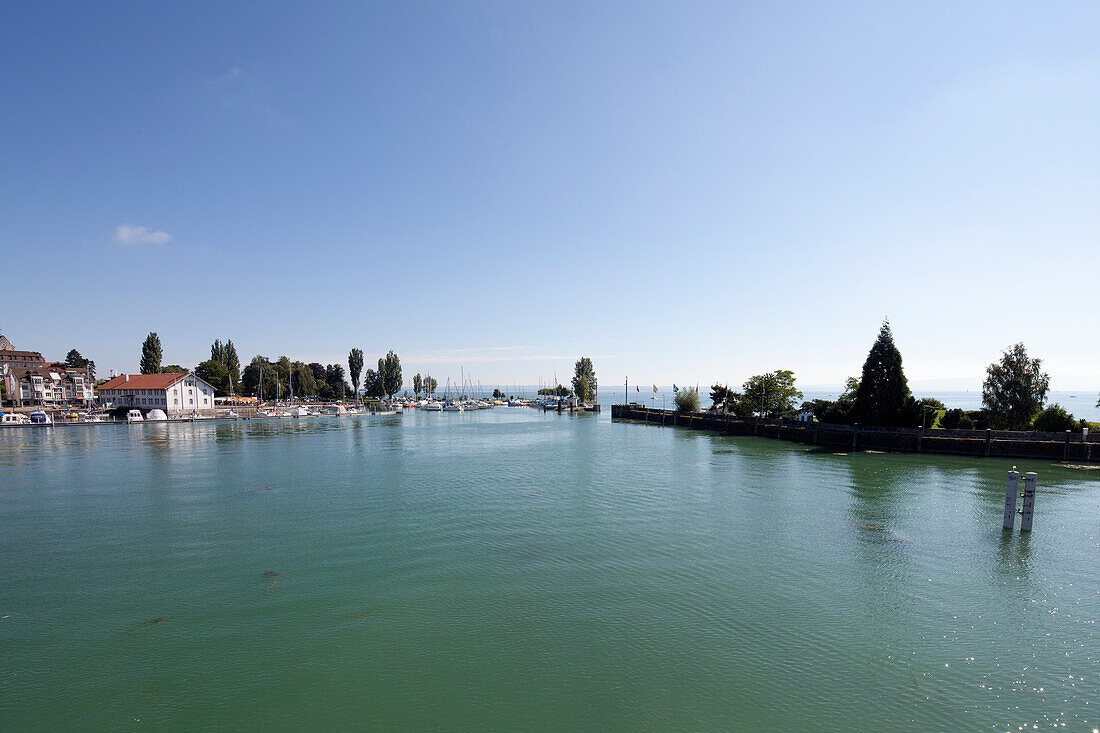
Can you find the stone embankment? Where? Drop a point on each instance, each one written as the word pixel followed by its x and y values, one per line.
pixel 1072 447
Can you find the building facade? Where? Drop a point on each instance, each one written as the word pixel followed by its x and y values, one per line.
pixel 174 393
pixel 48 385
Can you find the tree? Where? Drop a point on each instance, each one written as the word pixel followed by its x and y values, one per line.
pixel 334 380
pixel 151 354
pixel 1014 389
pixel 722 396
pixel 772 394
pixel 497 394
pixel 226 355
pixel 431 384
pixel 75 360
pixel 372 384
pixel 956 420
pixel 687 399
pixel 259 372
pixel 389 372
pixel 355 367
pixel 216 375
pixel 418 384
pixel 172 369
pixel 584 380
pixel 233 364
pixel 1054 419
pixel 883 389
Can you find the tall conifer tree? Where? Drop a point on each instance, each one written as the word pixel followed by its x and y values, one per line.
pixel 883 390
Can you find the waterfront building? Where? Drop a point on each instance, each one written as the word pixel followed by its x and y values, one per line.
pixel 177 393
pixel 50 385
pixel 15 358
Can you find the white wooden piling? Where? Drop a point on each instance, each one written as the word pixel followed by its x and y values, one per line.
pixel 1010 499
pixel 1030 479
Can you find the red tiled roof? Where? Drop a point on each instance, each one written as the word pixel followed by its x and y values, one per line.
pixel 143 381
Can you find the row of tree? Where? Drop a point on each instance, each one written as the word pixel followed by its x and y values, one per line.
pixel 1013 395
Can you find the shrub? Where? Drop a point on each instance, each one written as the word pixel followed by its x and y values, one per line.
pixel 1054 419
pixel 687 399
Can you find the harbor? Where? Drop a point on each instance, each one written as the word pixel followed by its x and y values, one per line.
pixel 412 571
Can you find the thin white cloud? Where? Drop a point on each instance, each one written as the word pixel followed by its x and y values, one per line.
pixel 135 235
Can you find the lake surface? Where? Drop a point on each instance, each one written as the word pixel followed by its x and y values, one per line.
pixel 510 570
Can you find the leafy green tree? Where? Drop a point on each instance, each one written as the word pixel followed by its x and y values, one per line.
pixel 260 372
pixel 216 375
pixel 772 394
pixel 172 369
pixel 75 360
pixel 389 373
pixel 956 420
pixel 304 383
pixel 418 384
pixel 722 396
pixel 233 364
pixel 1014 389
pixel 883 389
pixel 497 394
pixel 334 380
pixel 151 354
pixel 687 399
pixel 1054 419
pixel 355 367
pixel 431 384
pixel 559 391
pixel 584 380
pixel 372 384
pixel 226 355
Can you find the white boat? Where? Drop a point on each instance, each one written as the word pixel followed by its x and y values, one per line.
pixel 434 407
pixel 9 419
pixel 231 415
pixel 156 415
pixel 452 407
pixel 298 412
pixel 93 417
pixel 336 410
pixel 134 416
pixel 38 417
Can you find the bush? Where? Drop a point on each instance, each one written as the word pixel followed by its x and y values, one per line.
pixel 1054 419
pixel 687 400
pixel 956 420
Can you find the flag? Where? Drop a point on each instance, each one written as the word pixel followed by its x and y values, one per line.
pixel 675 388
pixel 655 389
pixel 637 388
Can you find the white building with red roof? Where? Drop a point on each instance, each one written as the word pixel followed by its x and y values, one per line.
pixel 180 393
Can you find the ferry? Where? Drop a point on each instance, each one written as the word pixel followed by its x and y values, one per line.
pixel 134 416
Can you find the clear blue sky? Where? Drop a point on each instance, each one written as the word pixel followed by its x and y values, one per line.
pixel 685 192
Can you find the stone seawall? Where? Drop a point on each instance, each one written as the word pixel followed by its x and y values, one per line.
pixel 1071 446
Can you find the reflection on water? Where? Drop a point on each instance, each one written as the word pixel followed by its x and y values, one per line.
pixel 414 571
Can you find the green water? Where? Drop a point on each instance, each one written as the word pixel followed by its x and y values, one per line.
pixel 510 570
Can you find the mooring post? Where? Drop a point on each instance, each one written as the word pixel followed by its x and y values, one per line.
pixel 988 440
pixel 1065 452
pixel 1029 500
pixel 1010 499
pixel 855 436
pixel 920 437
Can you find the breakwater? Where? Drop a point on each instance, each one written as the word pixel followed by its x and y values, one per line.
pixel 1073 447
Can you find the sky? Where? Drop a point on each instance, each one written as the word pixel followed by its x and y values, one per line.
pixel 685 192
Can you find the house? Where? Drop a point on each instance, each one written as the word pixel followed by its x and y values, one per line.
pixel 52 385
pixel 178 393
